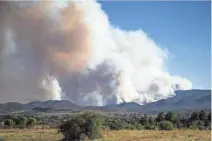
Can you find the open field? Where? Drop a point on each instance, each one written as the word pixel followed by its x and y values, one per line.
pixel 30 135
pixel 124 135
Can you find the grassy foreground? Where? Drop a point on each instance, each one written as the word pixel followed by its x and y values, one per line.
pixel 123 135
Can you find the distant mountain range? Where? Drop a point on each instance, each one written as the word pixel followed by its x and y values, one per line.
pixel 38 105
pixel 182 101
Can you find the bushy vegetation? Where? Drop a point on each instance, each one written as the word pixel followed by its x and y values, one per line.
pixel 90 125
pixel 166 125
pixel 163 121
pixel 19 121
pixel 8 123
pixel 31 122
pixel 81 127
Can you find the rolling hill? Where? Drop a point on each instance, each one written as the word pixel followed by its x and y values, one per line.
pixel 182 101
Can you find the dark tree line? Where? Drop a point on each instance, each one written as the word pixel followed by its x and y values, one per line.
pixel 89 125
pixel 163 121
pixel 20 121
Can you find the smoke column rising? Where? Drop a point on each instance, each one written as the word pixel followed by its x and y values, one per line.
pixel 54 50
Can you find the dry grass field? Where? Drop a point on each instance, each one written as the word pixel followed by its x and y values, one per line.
pixel 148 135
pixel 30 135
pixel 124 135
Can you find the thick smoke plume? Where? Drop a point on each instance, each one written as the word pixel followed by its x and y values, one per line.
pixel 54 50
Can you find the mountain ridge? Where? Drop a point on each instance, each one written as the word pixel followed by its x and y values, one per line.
pixel 183 100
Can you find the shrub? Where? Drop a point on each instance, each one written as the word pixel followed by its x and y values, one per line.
pixel 139 127
pixel 193 127
pixel 31 122
pixel 201 127
pixel 130 127
pixel 197 123
pixel 194 116
pixel 81 127
pixel 160 117
pixel 166 125
pixel 202 115
pixel 179 124
pixel 171 116
pixel 151 121
pixel 206 123
pixel 209 117
pixel 150 127
pixel 144 120
pixel 19 121
pixel 115 123
pixel 8 123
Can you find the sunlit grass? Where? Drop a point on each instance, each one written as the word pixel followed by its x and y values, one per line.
pixel 123 135
pixel 148 135
pixel 30 135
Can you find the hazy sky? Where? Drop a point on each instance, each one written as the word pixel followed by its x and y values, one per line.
pixel 183 28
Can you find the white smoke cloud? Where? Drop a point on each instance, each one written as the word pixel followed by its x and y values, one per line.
pixel 51 85
pixel 71 51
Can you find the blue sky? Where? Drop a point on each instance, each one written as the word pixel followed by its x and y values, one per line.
pixel 181 27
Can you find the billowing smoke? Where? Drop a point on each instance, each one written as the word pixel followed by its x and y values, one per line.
pixel 54 50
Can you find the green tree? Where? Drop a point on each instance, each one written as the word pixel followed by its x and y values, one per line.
pixel 19 121
pixel 160 117
pixel 81 127
pixel 144 120
pixel 139 127
pixel 202 115
pixel 206 123
pixel 171 116
pixel 209 117
pixel 151 121
pixel 8 123
pixel 166 125
pixel 194 116
pixel 31 122
pixel 150 127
